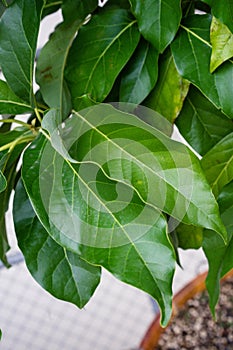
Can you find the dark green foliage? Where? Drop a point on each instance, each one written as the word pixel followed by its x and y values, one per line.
pixel 106 185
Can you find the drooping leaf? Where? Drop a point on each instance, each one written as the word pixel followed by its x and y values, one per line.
pixel 219 255
pixel 222 44
pixel 19 27
pixel 192 51
pixel 223 10
pixel 218 164
pixel 10 103
pixel 200 123
pixel 8 167
pixel 189 236
pixel 158 20
pixel 52 58
pixel 62 273
pixel 140 74
pixel 91 73
pixel 164 172
pixel 3 182
pixel 169 93
pixel 104 221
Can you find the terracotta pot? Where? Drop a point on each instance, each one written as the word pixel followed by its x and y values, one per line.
pixel 197 285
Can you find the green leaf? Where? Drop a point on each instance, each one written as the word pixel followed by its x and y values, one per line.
pixel 59 271
pixel 104 221
pixel 219 255
pixel 8 166
pixel 50 7
pixel 10 103
pixel 3 182
pixel 19 27
pixel 158 20
pixel 222 44
pixel 53 56
pixel 218 164
pixel 164 172
pixel 189 236
pixel 91 73
pixel 223 10
pixel 140 74
pixel 169 93
pixel 200 123
pixel 192 51
pixel 119 3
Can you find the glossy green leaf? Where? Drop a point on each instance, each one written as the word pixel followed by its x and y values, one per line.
pixel 10 103
pixel 140 74
pixel 218 164
pixel 91 73
pixel 169 93
pixel 3 182
pixel 8 165
pixel 158 20
pixel 164 172
pixel 192 51
pixel 219 255
pixel 53 56
pixel 200 123
pixel 223 10
pixel 59 271
pixel 189 236
pixel 104 221
pixel 19 27
pixel 222 44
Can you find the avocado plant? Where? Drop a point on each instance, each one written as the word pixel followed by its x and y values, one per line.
pixel 86 149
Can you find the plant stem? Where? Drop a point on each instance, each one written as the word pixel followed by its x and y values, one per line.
pixel 5 3
pixel 15 121
pixel 38 115
pixel 18 141
pixel 53 4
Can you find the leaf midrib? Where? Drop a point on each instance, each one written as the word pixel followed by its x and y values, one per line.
pixel 137 161
pixel 100 57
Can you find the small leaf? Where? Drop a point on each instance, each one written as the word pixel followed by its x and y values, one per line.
pixel 158 20
pixel 222 44
pixel 169 93
pixel 52 58
pixel 218 164
pixel 92 73
pixel 19 27
pixel 200 123
pixel 3 182
pixel 192 51
pixel 219 255
pixel 140 74
pixel 189 236
pixel 10 103
pixel 62 273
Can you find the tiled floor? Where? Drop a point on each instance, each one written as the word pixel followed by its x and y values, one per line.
pixel 116 318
